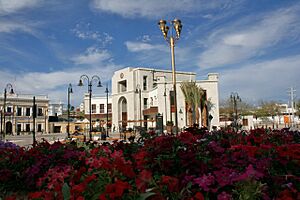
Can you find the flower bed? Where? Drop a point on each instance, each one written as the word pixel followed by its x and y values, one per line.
pixel 193 165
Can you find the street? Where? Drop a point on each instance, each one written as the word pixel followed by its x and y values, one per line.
pixel 26 140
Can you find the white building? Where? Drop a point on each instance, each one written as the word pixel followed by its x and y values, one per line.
pixel 139 94
pixel 100 106
pixel 55 109
pixel 19 113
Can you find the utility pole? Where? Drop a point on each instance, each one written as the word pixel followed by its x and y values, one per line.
pixel 292 96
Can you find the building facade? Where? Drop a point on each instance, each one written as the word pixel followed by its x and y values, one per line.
pixel 19 113
pixel 139 94
pixel 100 111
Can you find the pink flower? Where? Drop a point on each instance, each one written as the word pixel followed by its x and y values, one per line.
pixel 205 182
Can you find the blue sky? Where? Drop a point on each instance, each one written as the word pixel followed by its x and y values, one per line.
pixel 252 44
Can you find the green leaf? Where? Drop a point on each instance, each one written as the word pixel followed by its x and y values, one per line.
pixel 66 191
pixel 144 196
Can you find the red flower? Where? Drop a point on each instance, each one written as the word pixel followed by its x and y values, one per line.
pixel 116 189
pixel 35 195
pixel 78 189
pixel 143 179
pixel 198 196
pixel 171 182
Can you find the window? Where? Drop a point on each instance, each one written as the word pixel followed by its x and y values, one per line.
pixel 40 112
pixel 27 111
pixel 18 128
pixel 8 110
pixel 122 86
pixel 101 108
pixel 27 128
pixel 39 128
pixel 93 108
pixel 144 82
pixel 145 103
pixel 19 111
pixel 109 108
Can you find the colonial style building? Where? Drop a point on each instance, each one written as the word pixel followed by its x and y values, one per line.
pixel 139 94
pixel 19 115
pixel 100 111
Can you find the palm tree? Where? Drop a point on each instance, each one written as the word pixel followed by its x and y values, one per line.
pixel 197 93
pixel 204 113
pixel 186 90
pixel 193 96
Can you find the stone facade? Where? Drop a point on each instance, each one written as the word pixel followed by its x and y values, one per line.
pixel 18 116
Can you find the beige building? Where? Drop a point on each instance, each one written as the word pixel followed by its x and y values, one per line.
pixel 18 116
pixel 139 94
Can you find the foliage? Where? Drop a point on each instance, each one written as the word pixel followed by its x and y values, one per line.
pixel 195 99
pixel 194 165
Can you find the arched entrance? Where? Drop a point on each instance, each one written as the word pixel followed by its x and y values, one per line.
pixel 8 128
pixel 122 118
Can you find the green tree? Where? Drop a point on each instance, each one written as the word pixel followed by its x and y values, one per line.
pixel 194 98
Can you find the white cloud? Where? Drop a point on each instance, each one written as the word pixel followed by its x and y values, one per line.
pixel 239 42
pixel 92 56
pixel 142 46
pixel 13 26
pixel 84 32
pixel 54 84
pixel 156 8
pixel 263 80
pixel 12 6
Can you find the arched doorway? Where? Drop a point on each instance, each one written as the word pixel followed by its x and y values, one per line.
pixel 8 128
pixel 122 118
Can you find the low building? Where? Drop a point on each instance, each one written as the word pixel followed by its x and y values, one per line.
pixel 139 94
pixel 19 113
pixel 101 111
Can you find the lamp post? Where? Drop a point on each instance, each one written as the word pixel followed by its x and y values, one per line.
pixel 90 83
pixel 165 95
pixel 234 98
pixel 106 91
pixel 139 91
pixel 70 90
pixel 176 24
pixel 8 87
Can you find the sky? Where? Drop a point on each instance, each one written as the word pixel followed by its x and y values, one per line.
pixel 254 45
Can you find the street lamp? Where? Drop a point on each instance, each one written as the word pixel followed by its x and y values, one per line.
pixel 176 24
pixel 90 83
pixel 106 91
pixel 165 95
pixel 139 91
pixel 8 87
pixel 70 90
pixel 234 98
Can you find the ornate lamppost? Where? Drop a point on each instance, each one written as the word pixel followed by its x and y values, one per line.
pixel 70 90
pixel 90 84
pixel 176 24
pixel 106 91
pixel 139 92
pixel 234 98
pixel 9 88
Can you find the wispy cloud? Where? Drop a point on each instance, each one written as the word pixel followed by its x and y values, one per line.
pixel 157 8
pixel 85 32
pixel 243 41
pixel 12 6
pixel 10 26
pixel 92 56
pixel 54 84
pixel 262 80
pixel 142 46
